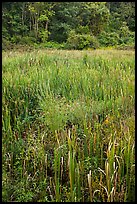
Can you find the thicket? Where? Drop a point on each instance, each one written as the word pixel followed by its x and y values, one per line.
pixel 68 25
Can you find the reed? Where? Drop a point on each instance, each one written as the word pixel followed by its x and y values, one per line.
pixel 68 124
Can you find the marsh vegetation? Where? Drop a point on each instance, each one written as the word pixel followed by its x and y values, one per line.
pixel 68 124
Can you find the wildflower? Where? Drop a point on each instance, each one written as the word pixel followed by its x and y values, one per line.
pixel 106 120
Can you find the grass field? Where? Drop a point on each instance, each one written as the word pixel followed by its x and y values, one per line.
pixel 68 125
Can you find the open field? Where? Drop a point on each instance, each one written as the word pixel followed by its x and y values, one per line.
pixel 68 125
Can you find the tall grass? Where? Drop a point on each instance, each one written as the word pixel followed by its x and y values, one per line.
pixel 68 126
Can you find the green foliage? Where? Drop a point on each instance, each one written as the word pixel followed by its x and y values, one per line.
pixel 64 20
pixel 122 12
pixel 108 39
pixel 126 36
pixel 51 21
pixel 6 44
pixel 27 40
pixel 82 41
pixel 122 37
pixel 52 45
pixel 43 35
pixel 95 15
pixel 83 29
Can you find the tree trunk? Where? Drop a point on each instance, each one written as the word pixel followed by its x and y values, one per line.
pixel 23 9
pixel 46 26
pixel 30 22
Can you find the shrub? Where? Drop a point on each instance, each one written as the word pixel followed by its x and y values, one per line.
pixel 27 40
pixel 83 29
pixel 82 41
pixel 122 36
pixel 43 36
pixel 108 39
pixel 6 44
pixel 126 36
pixel 52 45
pixel 16 39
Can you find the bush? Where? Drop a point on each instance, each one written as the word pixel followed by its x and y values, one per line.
pixel 6 44
pixel 17 43
pixel 27 40
pixel 82 41
pixel 125 47
pixel 108 39
pixel 52 45
pixel 16 39
pixel 43 35
pixel 126 36
pixel 83 29
pixel 122 36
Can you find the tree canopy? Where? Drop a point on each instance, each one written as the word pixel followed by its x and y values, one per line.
pixel 100 23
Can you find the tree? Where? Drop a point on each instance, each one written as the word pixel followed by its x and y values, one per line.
pixel 121 12
pixel 64 20
pixel 95 15
pixel 38 22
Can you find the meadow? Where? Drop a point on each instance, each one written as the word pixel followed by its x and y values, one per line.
pixel 68 126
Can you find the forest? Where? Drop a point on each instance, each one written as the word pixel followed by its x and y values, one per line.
pixel 68 25
pixel 68 102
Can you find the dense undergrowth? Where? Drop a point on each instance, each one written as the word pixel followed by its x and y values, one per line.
pixel 68 126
